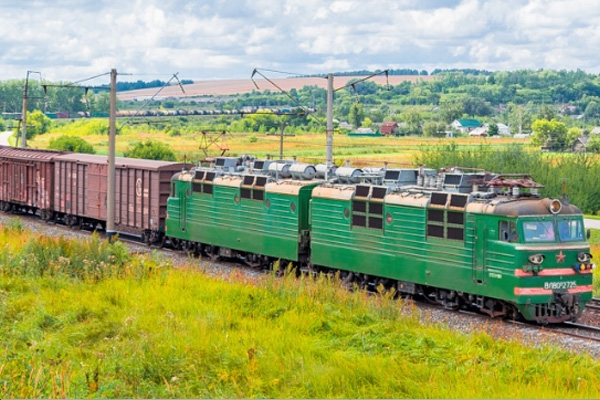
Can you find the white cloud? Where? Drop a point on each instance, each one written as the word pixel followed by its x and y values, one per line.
pixel 68 39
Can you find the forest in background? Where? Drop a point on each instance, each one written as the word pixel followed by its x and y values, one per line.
pixel 515 98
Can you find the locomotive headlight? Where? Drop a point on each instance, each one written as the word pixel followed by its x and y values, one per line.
pixel 584 257
pixel 555 206
pixel 537 259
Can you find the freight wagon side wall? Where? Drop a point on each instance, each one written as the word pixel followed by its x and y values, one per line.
pixel 27 181
pixel 73 188
pixel 141 196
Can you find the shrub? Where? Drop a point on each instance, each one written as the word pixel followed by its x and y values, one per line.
pixel 71 143
pixel 151 150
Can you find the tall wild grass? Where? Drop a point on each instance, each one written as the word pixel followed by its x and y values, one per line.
pixel 578 173
pixel 144 329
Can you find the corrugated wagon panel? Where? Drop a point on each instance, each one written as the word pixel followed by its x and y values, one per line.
pixel 26 177
pixel 137 206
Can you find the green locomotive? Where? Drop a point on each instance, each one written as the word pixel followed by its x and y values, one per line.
pixel 460 238
pixel 221 212
pixel 458 243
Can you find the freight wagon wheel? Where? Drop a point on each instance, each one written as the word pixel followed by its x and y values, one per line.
pixel 51 216
pixel 73 222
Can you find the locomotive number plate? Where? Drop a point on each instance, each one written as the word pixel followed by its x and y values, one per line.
pixel 560 285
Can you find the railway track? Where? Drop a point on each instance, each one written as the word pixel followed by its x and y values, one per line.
pixel 593 304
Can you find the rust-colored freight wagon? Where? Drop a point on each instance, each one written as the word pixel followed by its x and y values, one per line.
pixel 27 180
pixel 142 189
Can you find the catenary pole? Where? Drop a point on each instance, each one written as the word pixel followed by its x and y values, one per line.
pixel 24 115
pixel 329 159
pixel 112 130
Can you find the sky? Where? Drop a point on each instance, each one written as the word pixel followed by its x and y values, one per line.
pixel 71 40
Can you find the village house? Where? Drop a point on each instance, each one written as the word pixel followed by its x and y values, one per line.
pixel 465 125
pixel 580 144
pixel 389 128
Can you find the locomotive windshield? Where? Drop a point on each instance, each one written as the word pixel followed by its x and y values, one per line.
pixel 538 231
pixel 545 231
pixel 569 230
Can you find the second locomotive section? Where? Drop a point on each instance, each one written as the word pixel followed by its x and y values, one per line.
pixel 463 239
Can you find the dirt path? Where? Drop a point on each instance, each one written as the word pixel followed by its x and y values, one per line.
pixel 4 138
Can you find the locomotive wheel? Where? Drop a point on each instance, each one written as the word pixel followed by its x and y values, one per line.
pixel 251 260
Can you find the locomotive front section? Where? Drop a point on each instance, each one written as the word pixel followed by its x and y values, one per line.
pixel 553 265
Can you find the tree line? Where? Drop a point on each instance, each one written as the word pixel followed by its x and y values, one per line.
pixel 422 106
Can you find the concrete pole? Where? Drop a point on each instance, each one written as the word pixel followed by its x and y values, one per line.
pixel 281 129
pixel 329 159
pixel 24 114
pixel 112 131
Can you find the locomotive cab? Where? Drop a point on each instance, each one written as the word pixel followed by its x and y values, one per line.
pixel 542 256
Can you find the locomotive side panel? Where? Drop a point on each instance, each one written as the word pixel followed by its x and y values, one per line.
pixel 226 214
pixel 399 248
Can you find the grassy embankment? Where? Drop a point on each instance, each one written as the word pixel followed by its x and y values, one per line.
pixel 595 250
pixel 86 319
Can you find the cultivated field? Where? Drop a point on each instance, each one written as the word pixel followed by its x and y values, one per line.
pixel 223 87
pixel 360 151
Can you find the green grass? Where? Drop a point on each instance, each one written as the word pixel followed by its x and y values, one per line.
pixel 154 331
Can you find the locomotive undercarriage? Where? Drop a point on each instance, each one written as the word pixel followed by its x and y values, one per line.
pixel 561 308
pixel 449 299
pixel 215 253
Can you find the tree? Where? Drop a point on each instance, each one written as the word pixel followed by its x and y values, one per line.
pixel 151 150
pixel 413 119
pixel 493 129
pixel 434 129
pixel 451 110
pixel 572 134
pixel 594 145
pixel 37 124
pixel 546 112
pixel 356 114
pixel 549 133
pixel 71 143
pixel 476 106
pixel 592 111
pixel 518 118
